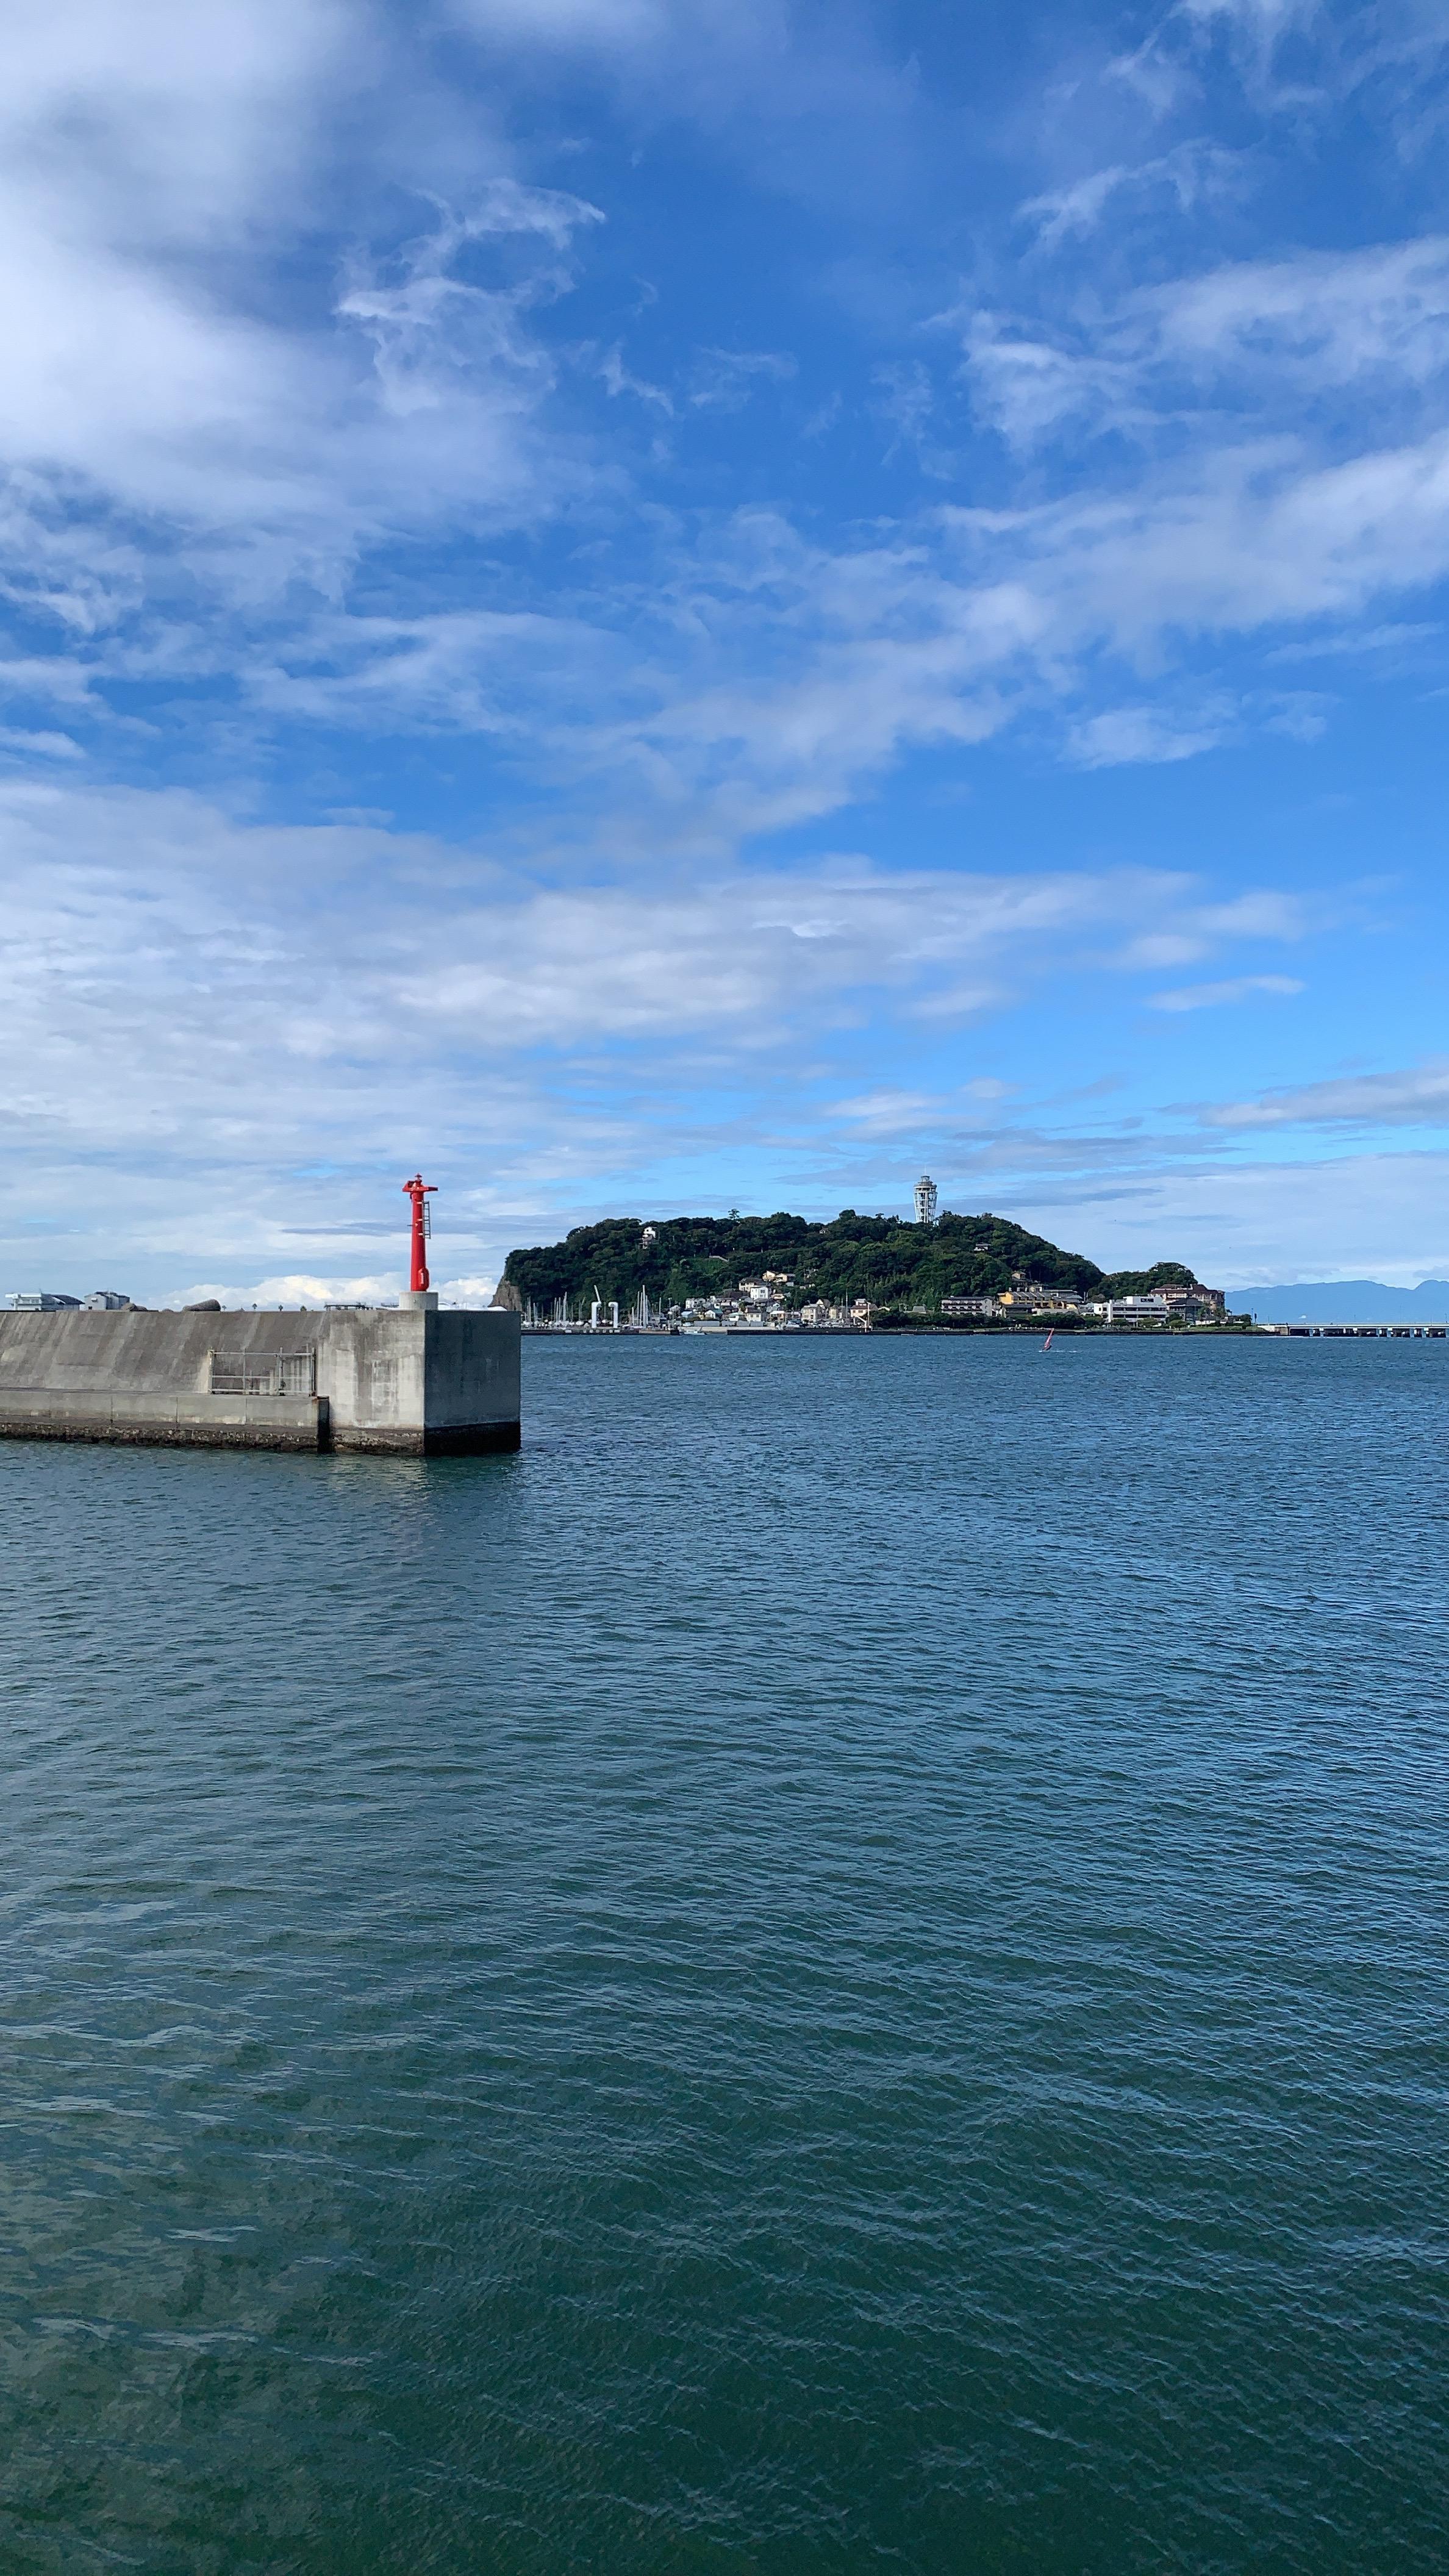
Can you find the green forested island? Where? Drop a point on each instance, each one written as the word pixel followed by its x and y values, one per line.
pixel 895 1263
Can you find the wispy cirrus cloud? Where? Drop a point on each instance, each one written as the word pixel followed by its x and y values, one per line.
pixel 130 915
pixel 892 1114
pixel 234 999
pixel 1121 734
pixel 1248 341
pixel 725 379
pixel 1234 988
pixel 1417 1097
pixel 178 425
pixel 798 671
pixel 1192 173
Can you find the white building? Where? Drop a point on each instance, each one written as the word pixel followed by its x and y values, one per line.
pixel 1132 1310
pixel 927 1196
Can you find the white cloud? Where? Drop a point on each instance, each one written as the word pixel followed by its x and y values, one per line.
pixel 179 122
pixel 467 1293
pixel 1379 1216
pixel 1395 50
pixel 295 1288
pixel 618 379
pixel 228 1034
pixel 725 379
pixel 1031 388
pixel 1418 1097
pixel 1236 988
pixel 784 673
pixel 1329 320
pixel 1258 539
pixel 1260 18
pixel 169 399
pixel 948 631
pixel 432 332
pixel 1190 174
pixel 1250 341
pixel 477 670
pixel 44 746
pixel 759 681
pixel 887 1113
pixel 161 921
pixel 1142 733
pixel 308 1288
pixel 592 23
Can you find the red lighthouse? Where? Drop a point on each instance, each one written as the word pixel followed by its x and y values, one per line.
pixel 420 1191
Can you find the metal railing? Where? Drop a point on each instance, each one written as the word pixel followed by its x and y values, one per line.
pixel 264 1372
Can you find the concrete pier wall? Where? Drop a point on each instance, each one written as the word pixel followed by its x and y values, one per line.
pixel 414 1383
pixel 175 1421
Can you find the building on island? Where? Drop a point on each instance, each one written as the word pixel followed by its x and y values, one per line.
pixel 1152 1309
pixel 1027 1298
pixel 927 1196
pixel 1195 1304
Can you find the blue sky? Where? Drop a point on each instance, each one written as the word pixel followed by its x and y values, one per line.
pixel 659 605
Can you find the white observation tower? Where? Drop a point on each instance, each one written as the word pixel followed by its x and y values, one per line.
pixel 925 1200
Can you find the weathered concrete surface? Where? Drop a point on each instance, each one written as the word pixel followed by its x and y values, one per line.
pixel 471 1379
pixel 177 1421
pixel 422 1383
pixel 416 1383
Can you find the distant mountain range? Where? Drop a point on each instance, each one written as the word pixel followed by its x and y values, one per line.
pixel 1344 1301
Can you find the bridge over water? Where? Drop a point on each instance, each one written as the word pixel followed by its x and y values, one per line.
pixel 1360 1332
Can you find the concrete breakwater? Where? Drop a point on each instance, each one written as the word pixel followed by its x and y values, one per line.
pixel 413 1382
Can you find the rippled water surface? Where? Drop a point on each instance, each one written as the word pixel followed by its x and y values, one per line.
pixel 840 1966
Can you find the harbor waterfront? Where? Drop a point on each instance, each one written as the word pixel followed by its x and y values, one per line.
pixel 831 1967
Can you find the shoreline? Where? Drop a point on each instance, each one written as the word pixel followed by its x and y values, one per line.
pixel 1242 1332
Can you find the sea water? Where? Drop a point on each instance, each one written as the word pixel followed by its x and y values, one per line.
pixel 840 1966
